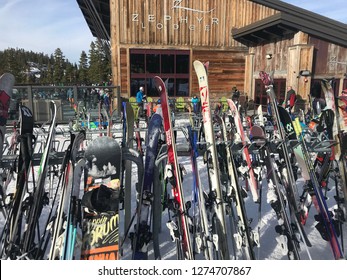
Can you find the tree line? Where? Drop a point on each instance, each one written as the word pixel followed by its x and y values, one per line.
pixel 41 69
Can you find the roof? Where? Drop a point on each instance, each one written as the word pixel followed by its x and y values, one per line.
pixel 97 16
pixel 289 20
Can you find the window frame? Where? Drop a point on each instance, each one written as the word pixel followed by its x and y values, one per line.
pixel 146 76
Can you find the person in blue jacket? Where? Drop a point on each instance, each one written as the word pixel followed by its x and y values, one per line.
pixel 195 102
pixel 139 99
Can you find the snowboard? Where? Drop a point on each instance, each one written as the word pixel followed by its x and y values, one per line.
pixel 100 202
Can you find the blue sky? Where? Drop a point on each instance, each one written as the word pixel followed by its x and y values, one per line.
pixel 44 25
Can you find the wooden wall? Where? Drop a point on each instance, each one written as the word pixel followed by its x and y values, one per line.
pixel 330 59
pixel 203 23
pixel 201 26
pixel 226 70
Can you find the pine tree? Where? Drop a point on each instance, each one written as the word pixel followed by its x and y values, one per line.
pixel 83 68
pixel 58 67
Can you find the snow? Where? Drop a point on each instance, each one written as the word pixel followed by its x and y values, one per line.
pixel 269 248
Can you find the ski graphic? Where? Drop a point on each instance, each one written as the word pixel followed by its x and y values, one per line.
pixel 179 228
pixel 213 169
pixel 251 179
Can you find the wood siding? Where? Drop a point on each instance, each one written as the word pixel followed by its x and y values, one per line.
pixel 226 70
pixel 173 23
pixel 124 70
pixel 203 27
pixel 330 59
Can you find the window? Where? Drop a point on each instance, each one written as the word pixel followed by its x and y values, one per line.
pixel 261 95
pixel 317 91
pixel 137 63
pixel 171 65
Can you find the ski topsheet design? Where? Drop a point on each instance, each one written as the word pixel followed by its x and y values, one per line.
pixel 252 182
pixel 213 169
pixel 180 226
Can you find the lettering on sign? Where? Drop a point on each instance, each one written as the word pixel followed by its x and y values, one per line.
pixel 199 20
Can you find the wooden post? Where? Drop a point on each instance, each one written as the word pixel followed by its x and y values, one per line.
pixel 300 57
pixel 115 58
pixel 249 74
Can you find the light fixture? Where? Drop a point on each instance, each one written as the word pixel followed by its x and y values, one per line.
pixel 305 73
pixel 268 56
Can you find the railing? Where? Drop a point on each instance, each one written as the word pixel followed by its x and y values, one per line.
pixel 67 98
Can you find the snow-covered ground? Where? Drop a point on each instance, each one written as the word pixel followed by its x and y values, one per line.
pixel 269 248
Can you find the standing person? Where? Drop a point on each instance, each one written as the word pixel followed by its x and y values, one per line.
pixel 235 96
pixel 290 98
pixel 70 96
pixel 107 101
pixel 139 99
pixel 157 108
pixel 318 105
pixel 195 102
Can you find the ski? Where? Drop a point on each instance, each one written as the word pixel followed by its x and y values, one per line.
pixel 284 164
pixel 275 196
pixel 244 238
pixel 60 245
pixel 325 225
pixel 249 172
pixel 128 137
pixel 179 228
pixel 6 84
pixel 39 197
pixel 203 240
pixel 220 236
pixel 143 234
pixel 26 149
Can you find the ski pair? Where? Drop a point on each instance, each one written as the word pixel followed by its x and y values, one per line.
pixel 68 212
pixel 285 176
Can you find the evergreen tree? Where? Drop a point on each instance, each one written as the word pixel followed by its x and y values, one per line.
pixel 94 65
pixel 38 68
pixel 58 67
pixel 70 75
pixel 83 68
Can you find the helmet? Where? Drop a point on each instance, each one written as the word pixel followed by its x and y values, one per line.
pixel 141 88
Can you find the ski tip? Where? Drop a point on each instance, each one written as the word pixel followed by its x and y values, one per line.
pixel 7 81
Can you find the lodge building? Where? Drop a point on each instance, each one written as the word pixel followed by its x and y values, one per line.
pixel 239 38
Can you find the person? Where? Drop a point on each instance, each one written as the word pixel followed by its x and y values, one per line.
pixel 70 96
pixel 195 102
pixel 157 108
pixel 235 97
pixel 139 95
pixel 318 105
pixel 107 101
pixel 290 98
pixel 139 99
